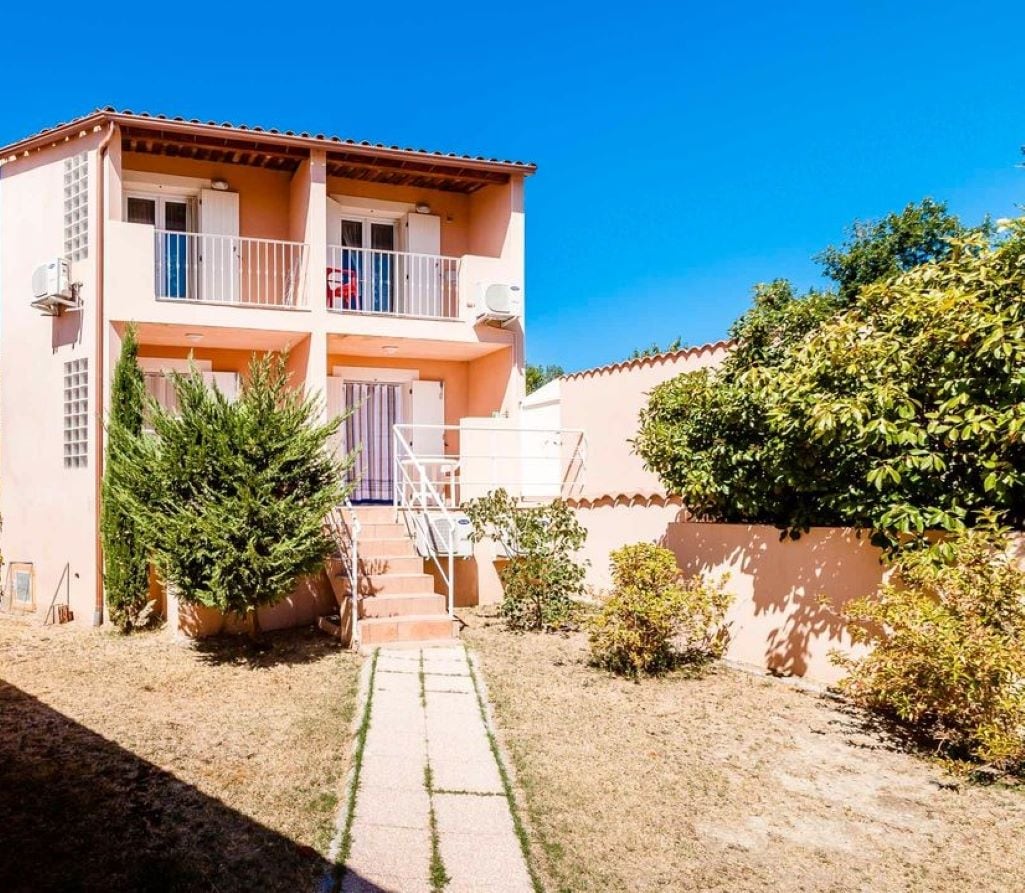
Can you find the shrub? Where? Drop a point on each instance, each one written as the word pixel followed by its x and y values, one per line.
pixel 948 649
pixel 654 619
pixel 125 563
pixel 541 579
pixel 231 496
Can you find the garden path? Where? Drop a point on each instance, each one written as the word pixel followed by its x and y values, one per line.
pixel 431 807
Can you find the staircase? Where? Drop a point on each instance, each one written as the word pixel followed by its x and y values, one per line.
pixel 397 599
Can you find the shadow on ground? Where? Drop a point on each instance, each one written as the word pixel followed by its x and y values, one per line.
pixel 79 812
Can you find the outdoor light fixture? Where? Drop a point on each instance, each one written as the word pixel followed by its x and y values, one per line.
pixel 193 336
pixel 390 349
pixel 423 208
pixel 220 184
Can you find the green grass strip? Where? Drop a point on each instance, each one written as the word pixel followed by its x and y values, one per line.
pixel 521 831
pixel 345 848
pixel 437 873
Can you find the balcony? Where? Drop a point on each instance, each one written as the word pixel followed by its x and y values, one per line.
pixel 213 269
pixel 392 283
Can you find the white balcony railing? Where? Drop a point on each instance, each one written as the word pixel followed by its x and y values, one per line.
pixel 461 462
pixel 392 283
pixel 230 270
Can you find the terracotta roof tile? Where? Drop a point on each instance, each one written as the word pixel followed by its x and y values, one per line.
pixel 142 117
pixel 650 360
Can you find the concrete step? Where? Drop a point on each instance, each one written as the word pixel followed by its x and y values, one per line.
pixel 379 565
pixel 383 532
pixel 393 584
pixel 411 628
pixel 402 605
pixel 373 514
pixel 371 548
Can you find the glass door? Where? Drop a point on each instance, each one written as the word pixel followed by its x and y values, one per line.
pixel 368 265
pixel 170 216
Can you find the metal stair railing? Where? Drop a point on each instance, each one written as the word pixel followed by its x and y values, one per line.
pixel 416 497
pixel 346 537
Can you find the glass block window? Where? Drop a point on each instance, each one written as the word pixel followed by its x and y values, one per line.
pixel 76 207
pixel 76 413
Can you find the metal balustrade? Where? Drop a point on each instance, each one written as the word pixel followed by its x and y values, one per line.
pixel 230 270
pixel 392 283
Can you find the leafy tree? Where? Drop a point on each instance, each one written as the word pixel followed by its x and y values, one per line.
pixel 125 563
pixel 230 496
pixel 653 350
pixel 900 411
pixel 539 376
pixel 881 249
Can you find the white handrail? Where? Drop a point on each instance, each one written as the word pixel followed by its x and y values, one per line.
pixel 347 538
pixel 219 269
pixel 393 283
pixel 420 499
pixel 536 464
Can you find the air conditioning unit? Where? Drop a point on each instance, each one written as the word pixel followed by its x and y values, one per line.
pixel 432 537
pixel 52 288
pixel 500 303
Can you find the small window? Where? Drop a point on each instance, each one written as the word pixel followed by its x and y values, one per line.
pixel 76 413
pixel 141 210
pixel 76 207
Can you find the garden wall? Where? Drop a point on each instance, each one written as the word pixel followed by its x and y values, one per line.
pixel 787 593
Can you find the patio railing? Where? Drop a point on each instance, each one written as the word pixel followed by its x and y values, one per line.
pixel 392 283
pixel 230 270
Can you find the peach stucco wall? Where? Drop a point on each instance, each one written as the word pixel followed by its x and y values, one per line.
pixel 778 620
pixel 606 403
pixel 48 510
pixel 264 196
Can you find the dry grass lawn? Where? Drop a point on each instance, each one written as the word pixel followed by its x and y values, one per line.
pixel 142 763
pixel 730 783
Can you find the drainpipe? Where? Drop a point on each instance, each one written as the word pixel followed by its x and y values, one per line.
pixel 98 381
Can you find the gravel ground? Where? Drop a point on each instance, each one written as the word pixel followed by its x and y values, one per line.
pixel 730 782
pixel 149 763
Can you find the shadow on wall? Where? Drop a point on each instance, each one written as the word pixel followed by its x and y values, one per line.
pixel 788 593
pixel 79 812
pixel 66 330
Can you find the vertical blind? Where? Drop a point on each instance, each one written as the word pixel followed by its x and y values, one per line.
pixel 368 429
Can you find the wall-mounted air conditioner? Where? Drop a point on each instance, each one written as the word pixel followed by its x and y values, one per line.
pixel 52 288
pixel 499 303
pixel 432 537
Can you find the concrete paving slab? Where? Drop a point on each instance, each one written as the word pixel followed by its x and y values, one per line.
pixel 393 852
pixel 459 775
pixel 435 682
pixel 384 771
pixel 473 814
pixel 484 862
pixel 397 808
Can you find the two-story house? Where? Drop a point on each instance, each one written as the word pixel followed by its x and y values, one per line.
pixel 393 278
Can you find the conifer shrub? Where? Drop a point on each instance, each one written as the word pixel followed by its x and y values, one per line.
pixel 230 496
pixel 125 562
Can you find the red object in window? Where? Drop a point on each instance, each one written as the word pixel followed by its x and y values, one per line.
pixel 342 288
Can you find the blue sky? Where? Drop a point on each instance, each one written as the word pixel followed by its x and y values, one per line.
pixel 685 150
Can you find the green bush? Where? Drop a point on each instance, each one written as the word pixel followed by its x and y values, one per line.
pixel 948 649
pixel 540 581
pixel 125 562
pixel 230 496
pixel 655 620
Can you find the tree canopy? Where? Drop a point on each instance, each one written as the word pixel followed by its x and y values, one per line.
pixel 539 376
pixel 897 406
